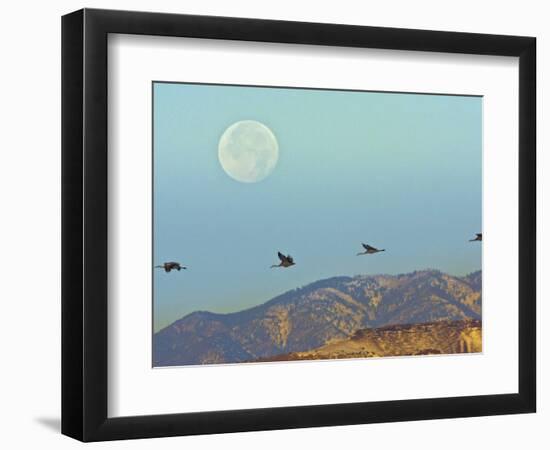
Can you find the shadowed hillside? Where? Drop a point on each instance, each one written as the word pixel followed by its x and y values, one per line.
pixel 318 314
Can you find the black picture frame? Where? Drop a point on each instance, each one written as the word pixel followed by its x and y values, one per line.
pixel 84 224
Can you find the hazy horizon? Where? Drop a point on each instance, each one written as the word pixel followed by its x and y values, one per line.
pixel 397 171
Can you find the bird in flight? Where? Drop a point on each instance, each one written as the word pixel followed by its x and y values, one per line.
pixel 370 250
pixel 477 238
pixel 286 261
pixel 168 266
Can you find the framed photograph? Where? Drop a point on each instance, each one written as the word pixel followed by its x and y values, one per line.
pixel 273 224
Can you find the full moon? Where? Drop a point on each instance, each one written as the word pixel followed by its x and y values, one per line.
pixel 248 151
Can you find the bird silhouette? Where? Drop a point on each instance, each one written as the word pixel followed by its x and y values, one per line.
pixel 286 261
pixel 168 266
pixel 477 238
pixel 370 250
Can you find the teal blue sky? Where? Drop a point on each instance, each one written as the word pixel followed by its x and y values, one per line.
pixel 397 171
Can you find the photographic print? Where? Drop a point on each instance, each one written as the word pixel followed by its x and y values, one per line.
pixel 314 224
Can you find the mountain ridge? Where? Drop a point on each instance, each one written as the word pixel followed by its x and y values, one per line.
pixel 308 317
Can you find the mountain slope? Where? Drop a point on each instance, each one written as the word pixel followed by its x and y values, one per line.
pixel 443 337
pixel 319 313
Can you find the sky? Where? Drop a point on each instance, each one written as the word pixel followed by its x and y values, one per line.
pixel 397 171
